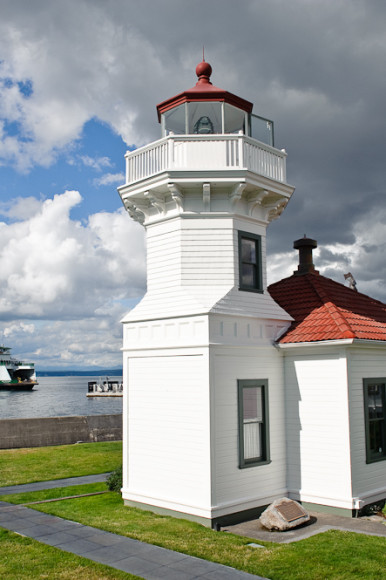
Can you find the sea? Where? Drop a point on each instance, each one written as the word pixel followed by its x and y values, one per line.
pixel 58 397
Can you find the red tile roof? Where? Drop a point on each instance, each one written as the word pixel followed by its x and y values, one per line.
pixel 326 310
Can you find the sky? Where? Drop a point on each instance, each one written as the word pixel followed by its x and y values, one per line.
pixel 79 83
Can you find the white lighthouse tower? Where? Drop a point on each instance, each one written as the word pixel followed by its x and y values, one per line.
pixel 203 383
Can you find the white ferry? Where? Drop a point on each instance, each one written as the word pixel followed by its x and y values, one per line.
pixel 15 374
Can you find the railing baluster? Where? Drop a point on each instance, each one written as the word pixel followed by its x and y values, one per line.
pixel 191 151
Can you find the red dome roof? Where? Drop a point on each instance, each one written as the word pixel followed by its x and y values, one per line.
pixel 204 90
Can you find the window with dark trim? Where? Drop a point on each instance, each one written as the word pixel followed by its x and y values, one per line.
pixel 253 422
pixel 250 278
pixel 375 419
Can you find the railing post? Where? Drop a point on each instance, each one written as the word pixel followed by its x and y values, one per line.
pixel 170 154
pixel 241 151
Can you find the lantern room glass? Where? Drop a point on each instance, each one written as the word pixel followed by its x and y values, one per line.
pixel 204 118
pixel 234 119
pixel 215 117
pixel 174 121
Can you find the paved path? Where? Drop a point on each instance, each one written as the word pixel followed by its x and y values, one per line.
pixel 145 560
pixel 39 485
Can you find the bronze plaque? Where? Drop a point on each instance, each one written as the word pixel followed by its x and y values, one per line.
pixel 290 511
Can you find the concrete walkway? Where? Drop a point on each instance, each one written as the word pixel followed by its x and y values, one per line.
pixel 144 560
pixel 39 485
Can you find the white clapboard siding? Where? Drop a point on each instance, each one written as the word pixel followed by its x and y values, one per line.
pixel 369 478
pixel 253 486
pixel 196 252
pixel 318 441
pixel 168 456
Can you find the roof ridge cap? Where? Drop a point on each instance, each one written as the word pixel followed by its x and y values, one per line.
pixel 331 307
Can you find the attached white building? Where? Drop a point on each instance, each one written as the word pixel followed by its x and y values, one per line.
pixel 211 404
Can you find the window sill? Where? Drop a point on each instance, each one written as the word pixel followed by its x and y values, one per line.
pixel 255 464
pixel 255 290
pixel 375 459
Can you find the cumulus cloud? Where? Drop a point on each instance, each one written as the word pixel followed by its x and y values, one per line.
pixel 52 267
pixel 109 179
pixel 65 285
pixel 97 163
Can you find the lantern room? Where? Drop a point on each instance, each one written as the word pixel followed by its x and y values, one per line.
pixel 206 109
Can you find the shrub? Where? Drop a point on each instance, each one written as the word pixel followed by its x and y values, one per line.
pixel 114 480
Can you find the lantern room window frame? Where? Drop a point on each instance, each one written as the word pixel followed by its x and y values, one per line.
pixel 227 120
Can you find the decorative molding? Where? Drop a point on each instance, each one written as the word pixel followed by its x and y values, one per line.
pixel 275 210
pixel 177 196
pixel 236 193
pixel 136 213
pixel 256 199
pixel 156 200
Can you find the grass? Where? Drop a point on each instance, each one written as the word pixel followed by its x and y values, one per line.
pixel 23 558
pixel 332 555
pixel 28 465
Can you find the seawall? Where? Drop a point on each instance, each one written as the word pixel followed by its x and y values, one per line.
pixel 41 432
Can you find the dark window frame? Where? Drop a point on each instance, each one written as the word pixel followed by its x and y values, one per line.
pixel 264 458
pixel 372 424
pixel 258 285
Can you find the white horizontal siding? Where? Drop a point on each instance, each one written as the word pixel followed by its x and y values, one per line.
pixel 231 485
pixel 367 478
pixel 168 456
pixel 208 255
pixel 163 256
pixel 318 442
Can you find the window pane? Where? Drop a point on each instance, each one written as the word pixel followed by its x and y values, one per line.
pixel 252 404
pixel 204 117
pixel 234 119
pixel 252 441
pixel 175 120
pixel 248 275
pixel 248 250
pixel 376 436
pixel 262 129
pixel 375 402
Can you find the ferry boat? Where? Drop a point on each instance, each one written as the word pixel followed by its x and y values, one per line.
pixel 15 374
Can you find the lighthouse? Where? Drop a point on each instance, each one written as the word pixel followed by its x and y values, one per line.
pixel 203 380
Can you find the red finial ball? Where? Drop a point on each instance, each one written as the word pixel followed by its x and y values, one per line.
pixel 203 70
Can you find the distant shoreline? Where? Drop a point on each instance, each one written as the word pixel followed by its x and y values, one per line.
pixel 89 373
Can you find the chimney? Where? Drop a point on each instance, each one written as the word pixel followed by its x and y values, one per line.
pixel 305 246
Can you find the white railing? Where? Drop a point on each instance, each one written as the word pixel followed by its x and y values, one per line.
pixel 209 152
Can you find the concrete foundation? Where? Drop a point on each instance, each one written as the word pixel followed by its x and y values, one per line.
pixel 41 432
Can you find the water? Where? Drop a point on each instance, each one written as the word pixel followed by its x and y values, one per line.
pixel 57 397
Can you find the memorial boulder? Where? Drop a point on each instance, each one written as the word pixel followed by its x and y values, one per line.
pixel 284 514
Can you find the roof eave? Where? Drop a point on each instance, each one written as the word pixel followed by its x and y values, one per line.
pixel 192 95
pixel 365 342
pixel 338 342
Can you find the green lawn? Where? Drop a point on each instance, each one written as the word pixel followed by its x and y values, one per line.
pixel 23 558
pixel 43 463
pixel 332 555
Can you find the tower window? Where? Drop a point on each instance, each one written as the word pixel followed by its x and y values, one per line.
pixel 250 278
